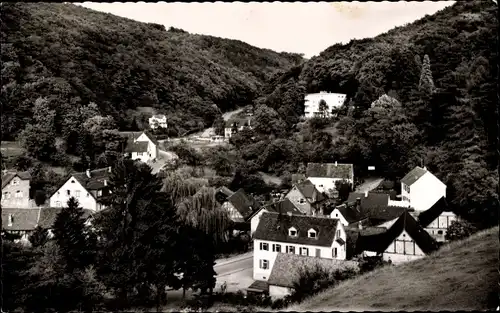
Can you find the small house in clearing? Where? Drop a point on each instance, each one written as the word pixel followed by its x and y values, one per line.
pixel 158 120
pixel 141 146
pixel 420 189
pixel 324 175
pixel 16 190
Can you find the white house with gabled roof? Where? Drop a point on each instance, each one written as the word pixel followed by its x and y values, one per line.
pixel 315 237
pixel 158 120
pixel 324 175
pixel 420 189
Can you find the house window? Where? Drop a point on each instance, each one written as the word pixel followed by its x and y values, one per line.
pixel 264 264
pixel 292 232
pixel 336 215
pixel 304 251
pixel 338 233
pixel 312 233
pixel 72 181
pixel 139 153
pixel 77 193
pixel 19 194
pixel 290 249
pixel 276 248
pixel 302 200
pixel 440 232
pixel 264 246
pixel 321 185
pixel 58 204
pixel 6 195
pixel 334 252
pixel 15 182
pixel 88 194
pixel 99 193
pixel 318 253
pixel 68 192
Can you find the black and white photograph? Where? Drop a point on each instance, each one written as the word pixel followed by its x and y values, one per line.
pixel 249 157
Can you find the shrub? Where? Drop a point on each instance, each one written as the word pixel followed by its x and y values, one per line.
pixel 368 264
pixel 460 229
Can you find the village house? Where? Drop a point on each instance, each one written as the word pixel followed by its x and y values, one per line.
pixel 222 194
pixel 284 206
pixel 23 221
pixel 287 268
pixel 437 219
pixel 368 209
pixel 420 189
pixel 296 234
pixel 240 206
pixel 404 241
pixel 86 187
pixel 157 121
pixel 324 175
pixel 16 190
pixel 312 107
pixel 141 146
pixel 306 197
pixel 235 125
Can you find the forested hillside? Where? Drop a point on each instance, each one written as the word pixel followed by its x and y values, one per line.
pixel 435 82
pixel 74 56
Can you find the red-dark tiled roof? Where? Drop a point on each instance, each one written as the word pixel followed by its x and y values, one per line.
pixel 7 177
pixel 373 200
pixel 48 216
pixel 243 203
pixel 96 179
pixel 413 176
pixel 274 227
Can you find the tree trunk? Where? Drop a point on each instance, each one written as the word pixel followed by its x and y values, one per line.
pixel 183 293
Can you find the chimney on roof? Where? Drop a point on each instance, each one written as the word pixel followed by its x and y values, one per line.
pixel 105 182
pixel 88 173
pixel 11 220
pixel 366 194
pixel 425 168
pixel 335 163
pixel 109 169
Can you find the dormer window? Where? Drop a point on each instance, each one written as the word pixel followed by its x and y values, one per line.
pixel 292 232
pixel 72 181
pixel 302 200
pixel 311 233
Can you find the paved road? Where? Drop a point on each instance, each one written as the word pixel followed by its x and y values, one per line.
pixel 237 264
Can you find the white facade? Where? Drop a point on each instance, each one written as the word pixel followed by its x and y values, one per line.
pixel 324 184
pixel 254 221
pixel 145 156
pixel 423 193
pixel 311 105
pixel 336 214
pixel 403 249
pixel 438 228
pixel 265 252
pixel 158 121
pixel 72 188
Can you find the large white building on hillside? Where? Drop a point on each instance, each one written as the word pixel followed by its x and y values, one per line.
pixel 312 103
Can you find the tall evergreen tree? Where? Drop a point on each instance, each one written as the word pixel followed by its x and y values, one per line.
pixel 426 83
pixel 76 242
pixel 39 237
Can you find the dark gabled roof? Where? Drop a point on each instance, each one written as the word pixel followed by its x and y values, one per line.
pixel 48 216
pixel 374 200
pixel 406 222
pixel 96 180
pixel 159 116
pixel 259 286
pixel 287 267
pixel 7 177
pixel 393 195
pixel 351 213
pixel 386 214
pixel 284 206
pixel 138 146
pixel 413 175
pixel 243 203
pixel 24 219
pixel 308 190
pixel 274 227
pixel 344 171
pixel 428 216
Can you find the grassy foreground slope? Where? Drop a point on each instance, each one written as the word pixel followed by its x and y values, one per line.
pixel 460 276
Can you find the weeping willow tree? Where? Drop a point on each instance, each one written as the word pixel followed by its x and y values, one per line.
pixel 178 188
pixel 203 212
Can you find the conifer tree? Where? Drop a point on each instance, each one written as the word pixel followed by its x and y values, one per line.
pixel 76 243
pixel 39 237
pixel 426 83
